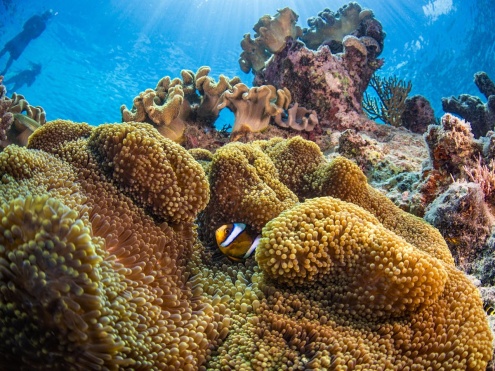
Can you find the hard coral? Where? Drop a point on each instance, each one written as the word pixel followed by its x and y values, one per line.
pixel 463 218
pixel 452 150
pixel 418 114
pixel 6 117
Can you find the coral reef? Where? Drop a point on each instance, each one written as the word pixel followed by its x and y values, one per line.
pixel 18 119
pixel 253 107
pixel 106 278
pixel 464 220
pixel 471 108
pixel 308 246
pixel 418 114
pixel 332 85
pixel 6 117
pixel 390 103
pixel 330 28
pixel 452 149
pixel 297 118
pixel 174 104
pixel 88 277
pixel 269 38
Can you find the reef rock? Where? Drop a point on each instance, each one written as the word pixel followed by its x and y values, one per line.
pixel 472 109
pixel 332 85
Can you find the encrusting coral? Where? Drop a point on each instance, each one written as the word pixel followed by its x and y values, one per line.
pixel 105 279
pixel 332 85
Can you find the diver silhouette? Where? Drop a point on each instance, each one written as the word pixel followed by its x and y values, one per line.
pixel 25 77
pixel 32 28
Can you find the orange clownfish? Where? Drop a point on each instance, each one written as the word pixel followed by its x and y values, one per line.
pixel 236 241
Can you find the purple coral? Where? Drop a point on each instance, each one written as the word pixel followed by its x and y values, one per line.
pixel 6 117
pixel 418 114
pixel 332 85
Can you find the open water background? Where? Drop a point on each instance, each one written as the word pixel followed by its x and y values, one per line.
pixel 97 55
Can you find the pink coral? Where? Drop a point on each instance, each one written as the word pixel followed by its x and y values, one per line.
pixel 332 85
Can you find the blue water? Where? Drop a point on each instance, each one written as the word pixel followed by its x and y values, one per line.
pixel 97 55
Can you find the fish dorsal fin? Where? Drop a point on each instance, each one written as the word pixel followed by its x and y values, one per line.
pixel 238 229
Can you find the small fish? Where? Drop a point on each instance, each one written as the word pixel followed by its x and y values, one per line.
pixel 237 241
pixel 490 311
pixel 27 121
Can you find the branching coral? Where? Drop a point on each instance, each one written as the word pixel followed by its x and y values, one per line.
pixel 480 115
pixel 269 38
pixel 174 103
pixel 253 107
pixel 390 104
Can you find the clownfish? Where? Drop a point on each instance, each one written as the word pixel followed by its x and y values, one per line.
pixel 236 241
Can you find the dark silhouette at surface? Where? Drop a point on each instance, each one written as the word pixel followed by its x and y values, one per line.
pixel 32 28
pixel 25 77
